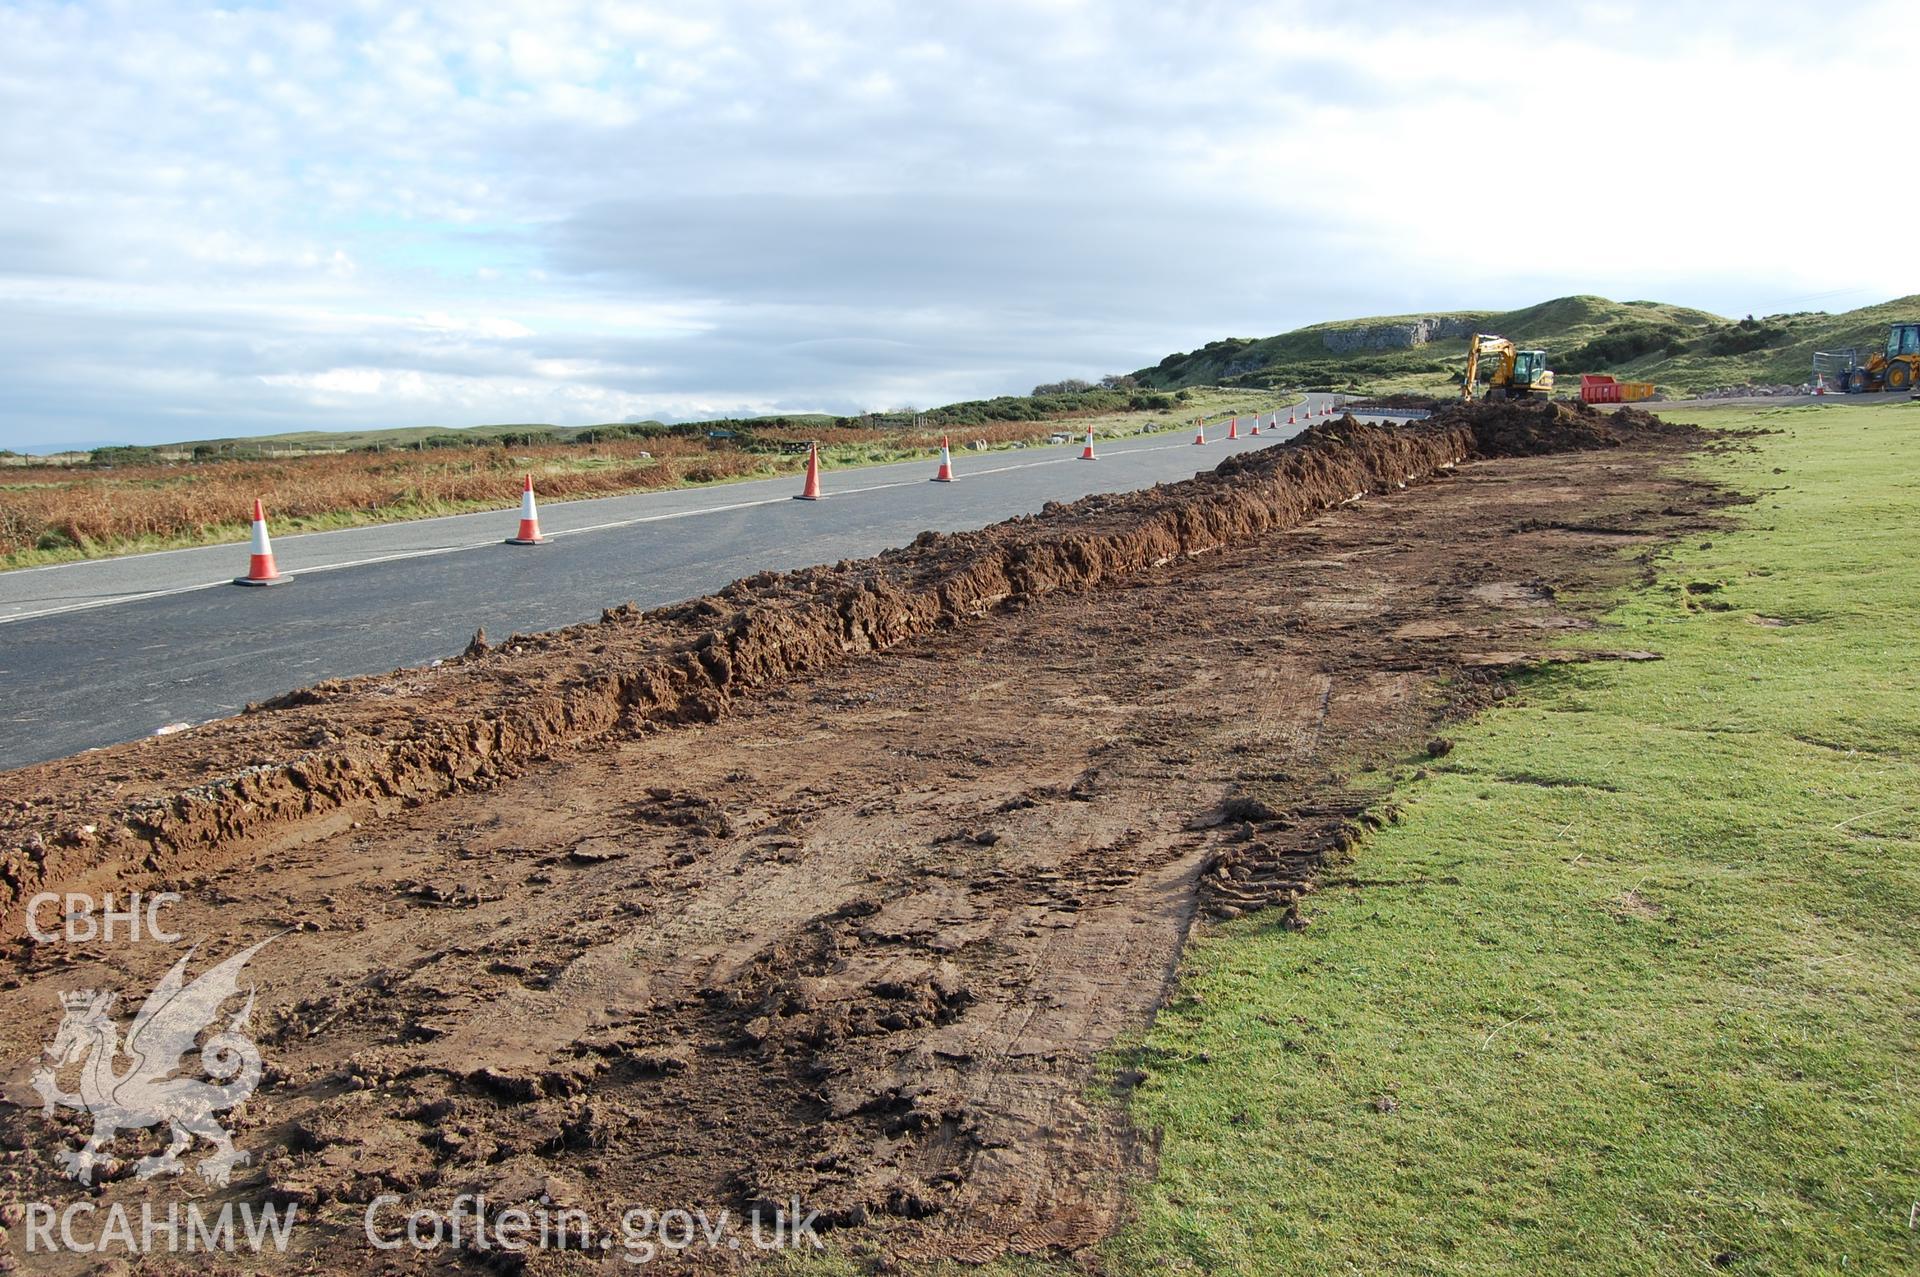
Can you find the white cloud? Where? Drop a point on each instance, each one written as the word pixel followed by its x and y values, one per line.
pixel 494 326
pixel 587 209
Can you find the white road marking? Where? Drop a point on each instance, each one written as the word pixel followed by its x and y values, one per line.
pixel 431 551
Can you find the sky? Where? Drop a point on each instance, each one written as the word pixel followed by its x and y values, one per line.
pixel 253 218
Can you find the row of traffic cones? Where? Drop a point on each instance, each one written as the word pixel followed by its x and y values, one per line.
pixel 1273 422
pixel 261 569
pixel 810 489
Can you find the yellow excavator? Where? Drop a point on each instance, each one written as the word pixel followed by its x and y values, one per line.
pixel 1518 375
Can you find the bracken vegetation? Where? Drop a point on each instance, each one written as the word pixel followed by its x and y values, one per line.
pixel 129 498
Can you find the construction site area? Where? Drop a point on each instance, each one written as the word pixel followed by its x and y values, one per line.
pixel 954 640
pixel 828 897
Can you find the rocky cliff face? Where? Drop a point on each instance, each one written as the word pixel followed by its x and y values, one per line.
pixel 1401 336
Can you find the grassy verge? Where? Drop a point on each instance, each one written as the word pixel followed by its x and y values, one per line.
pixel 1658 1016
pixel 594 475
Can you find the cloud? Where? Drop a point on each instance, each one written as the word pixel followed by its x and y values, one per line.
pixel 220 220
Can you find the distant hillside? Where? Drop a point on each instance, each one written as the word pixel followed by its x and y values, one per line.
pixel 527 434
pixel 1678 348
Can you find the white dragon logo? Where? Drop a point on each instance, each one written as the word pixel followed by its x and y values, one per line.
pixel 145 1094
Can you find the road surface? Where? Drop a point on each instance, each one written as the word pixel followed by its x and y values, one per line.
pixel 111 650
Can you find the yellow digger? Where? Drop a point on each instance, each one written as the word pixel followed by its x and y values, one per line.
pixel 1518 375
pixel 1895 368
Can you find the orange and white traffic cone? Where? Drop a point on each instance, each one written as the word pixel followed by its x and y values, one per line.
pixel 1256 428
pixel 946 463
pixel 1199 432
pixel 529 533
pixel 1233 427
pixel 1086 453
pixel 260 568
pixel 1290 420
pixel 811 492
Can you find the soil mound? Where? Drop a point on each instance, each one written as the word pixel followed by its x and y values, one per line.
pixel 1530 427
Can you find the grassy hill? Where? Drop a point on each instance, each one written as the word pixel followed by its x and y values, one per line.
pixel 1679 348
pixel 1782 350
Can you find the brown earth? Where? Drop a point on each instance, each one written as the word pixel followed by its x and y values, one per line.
pixel 831 887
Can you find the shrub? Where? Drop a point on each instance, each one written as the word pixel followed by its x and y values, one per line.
pixel 1744 337
pixel 123 455
pixel 1620 345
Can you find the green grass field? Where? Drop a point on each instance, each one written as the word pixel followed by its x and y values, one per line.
pixel 1661 1016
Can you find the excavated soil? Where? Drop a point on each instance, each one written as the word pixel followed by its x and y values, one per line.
pixel 830 887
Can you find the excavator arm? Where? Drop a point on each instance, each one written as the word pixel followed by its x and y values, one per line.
pixel 1488 344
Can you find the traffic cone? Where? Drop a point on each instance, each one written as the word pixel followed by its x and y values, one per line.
pixel 946 463
pixel 1290 420
pixel 1233 428
pixel 1256 427
pixel 811 492
pixel 529 533
pixel 1199 432
pixel 260 568
pixel 1086 453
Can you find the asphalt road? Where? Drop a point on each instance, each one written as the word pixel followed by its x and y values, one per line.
pixel 100 652
pixel 1834 399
